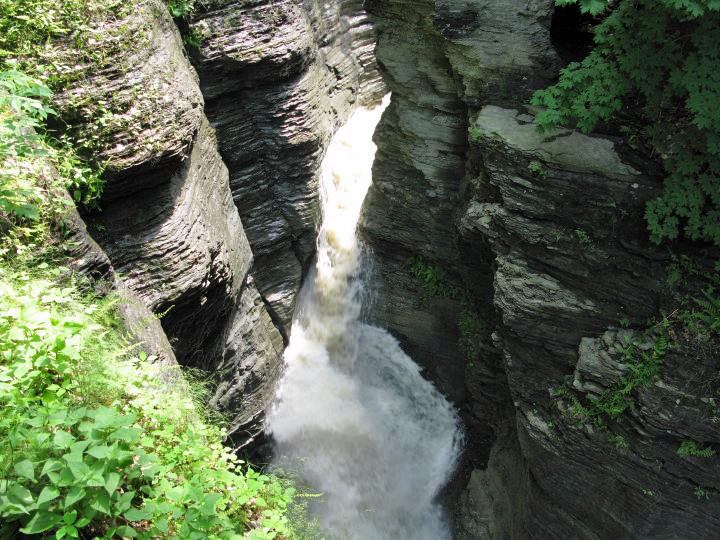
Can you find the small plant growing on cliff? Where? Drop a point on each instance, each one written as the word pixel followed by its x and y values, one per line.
pixel 691 448
pixel 475 133
pixel 643 365
pixel 435 283
pixel 700 493
pixel 433 278
pixel 470 325
pixel 538 170
pixel 180 8
pixel 582 236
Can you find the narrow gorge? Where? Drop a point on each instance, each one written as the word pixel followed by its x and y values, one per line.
pixel 434 356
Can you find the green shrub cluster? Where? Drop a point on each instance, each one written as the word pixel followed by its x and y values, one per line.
pixel 659 59
pixel 35 169
pixel 644 365
pixel 182 9
pixel 94 441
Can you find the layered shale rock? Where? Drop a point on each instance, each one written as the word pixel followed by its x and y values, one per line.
pixel 278 78
pixel 168 223
pixel 564 220
pixel 546 233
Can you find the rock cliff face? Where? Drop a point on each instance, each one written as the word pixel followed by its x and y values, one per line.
pixel 279 77
pixel 210 210
pixel 546 233
pixel 168 223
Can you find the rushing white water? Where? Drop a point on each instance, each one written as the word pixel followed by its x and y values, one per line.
pixel 367 430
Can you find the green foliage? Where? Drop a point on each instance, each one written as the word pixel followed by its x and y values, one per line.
pixel 434 280
pixel 644 366
pixel 691 448
pixel 93 446
pixel 659 58
pixel 538 170
pixel 643 363
pixel 702 318
pixel 28 26
pixel 470 325
pixel 475 133
pixel 700 493
pixel 180 8
pixel 582 236
pixel 30 197
pixel 21 112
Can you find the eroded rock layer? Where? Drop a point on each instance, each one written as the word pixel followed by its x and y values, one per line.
pixel 279 78
pixel 546 233
pixel 168 224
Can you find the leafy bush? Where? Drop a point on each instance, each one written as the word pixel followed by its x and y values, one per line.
pixel 433 278
pixel 34 167
pixel 94 445
pixel 180 8
pixel 644 364
pixel 659 59
pixel 21 113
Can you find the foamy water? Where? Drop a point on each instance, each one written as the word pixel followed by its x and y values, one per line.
pixel 352 411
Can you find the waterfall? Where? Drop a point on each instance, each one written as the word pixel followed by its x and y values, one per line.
pixel 352 408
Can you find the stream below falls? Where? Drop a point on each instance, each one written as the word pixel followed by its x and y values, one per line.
pixel 353 416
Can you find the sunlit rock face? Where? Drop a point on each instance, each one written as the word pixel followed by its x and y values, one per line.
pixel 168 223
pixel 279 78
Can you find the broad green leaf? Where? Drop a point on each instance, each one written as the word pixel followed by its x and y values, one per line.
pixel 126 532
pixel 71 531
pixel 162 524
pixel 21 495
pixel 138 514
pixel 79 447
pixel 74 495
pixel 101 502
pixel 112 482
pixel 42 521
pixel 99 452
pixel 70 517
pixel 63 439
pixel 26 469
pixel 29 211
pixel 126 433
pixel 49 493
pixel 96 474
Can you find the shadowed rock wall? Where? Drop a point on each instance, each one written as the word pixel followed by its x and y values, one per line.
pixel 279 78
pixel 546 233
